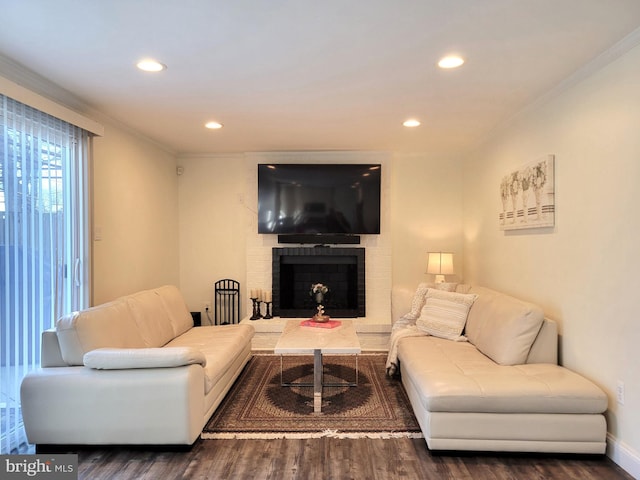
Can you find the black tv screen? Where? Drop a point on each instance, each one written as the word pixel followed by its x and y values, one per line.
pixel 319 198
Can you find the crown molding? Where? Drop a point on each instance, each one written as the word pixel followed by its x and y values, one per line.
pixel 607 57
pixel 30 80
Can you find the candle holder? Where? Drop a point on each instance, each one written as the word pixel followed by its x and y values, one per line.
pixel 256 309
pixel 267 315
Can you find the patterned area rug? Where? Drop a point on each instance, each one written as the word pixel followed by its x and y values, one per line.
pixel 259 407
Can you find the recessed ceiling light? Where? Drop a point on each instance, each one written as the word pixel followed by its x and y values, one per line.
pixel 411 123
pixel 213 125
pixel 150 65
pixel 451 61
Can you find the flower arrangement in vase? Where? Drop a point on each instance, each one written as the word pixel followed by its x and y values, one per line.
pixel 318 291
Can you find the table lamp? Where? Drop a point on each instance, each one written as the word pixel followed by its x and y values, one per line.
pixel 440 264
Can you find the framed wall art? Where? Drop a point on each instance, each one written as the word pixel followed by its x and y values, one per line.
pixel 528 197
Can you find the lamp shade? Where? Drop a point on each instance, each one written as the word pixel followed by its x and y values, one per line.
pixel 440 263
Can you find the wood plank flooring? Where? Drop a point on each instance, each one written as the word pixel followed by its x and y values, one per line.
pixel 329 458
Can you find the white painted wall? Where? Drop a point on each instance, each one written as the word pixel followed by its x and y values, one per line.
pixel 583 272
pixel 426 206
pixel 213 224
pixel 135 210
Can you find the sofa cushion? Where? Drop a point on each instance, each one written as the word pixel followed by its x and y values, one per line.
pixel 107 325
pixel 151 317
pixel 503 327
pixel 444 313
pixel 456 377
pixel 125 358
pixel 179 315
pixel 220 345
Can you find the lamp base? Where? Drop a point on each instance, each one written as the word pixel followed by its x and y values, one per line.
pixel 439 279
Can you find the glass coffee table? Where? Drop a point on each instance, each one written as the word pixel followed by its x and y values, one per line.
pixel 318 341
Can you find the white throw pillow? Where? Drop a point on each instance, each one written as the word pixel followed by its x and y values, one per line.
pixel 444 314
pixel 418 300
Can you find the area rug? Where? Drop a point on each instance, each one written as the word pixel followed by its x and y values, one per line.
pixel 258 406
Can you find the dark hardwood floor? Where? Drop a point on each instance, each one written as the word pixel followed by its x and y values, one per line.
pixel 329 458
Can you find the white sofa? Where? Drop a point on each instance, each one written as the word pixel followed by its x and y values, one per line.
pixel 131 371
pixel 501 389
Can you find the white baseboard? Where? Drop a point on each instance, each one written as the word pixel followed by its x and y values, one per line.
pixel 624 456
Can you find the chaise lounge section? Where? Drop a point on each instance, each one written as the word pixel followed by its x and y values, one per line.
pixel 498 386
pixel 131 371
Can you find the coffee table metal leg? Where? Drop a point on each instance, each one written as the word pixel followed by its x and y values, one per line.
pixel 317 381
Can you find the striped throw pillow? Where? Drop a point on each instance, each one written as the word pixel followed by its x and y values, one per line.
pixel 444 314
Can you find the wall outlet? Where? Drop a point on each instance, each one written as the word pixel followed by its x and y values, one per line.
pixel 207 306
pixel 620 392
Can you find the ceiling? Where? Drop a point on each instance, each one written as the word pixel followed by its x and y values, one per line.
pixel 311 75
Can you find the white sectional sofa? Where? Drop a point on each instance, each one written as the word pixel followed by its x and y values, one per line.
pixel 131 371
pixel 498 386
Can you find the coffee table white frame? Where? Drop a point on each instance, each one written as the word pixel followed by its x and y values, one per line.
pixel 297 339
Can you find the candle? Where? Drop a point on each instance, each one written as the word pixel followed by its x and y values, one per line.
pixel 267 296
pixel 253 293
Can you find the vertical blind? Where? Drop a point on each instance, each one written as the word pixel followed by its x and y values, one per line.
pixel 43 243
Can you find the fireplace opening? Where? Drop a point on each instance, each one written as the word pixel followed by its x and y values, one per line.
pixel 295 270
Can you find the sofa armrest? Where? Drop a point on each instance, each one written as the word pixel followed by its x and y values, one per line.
pixel 545 347
pixel 50 349
pixel 79 405
pixel 127 358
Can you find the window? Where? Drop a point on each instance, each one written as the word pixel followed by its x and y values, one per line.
pixel 44 237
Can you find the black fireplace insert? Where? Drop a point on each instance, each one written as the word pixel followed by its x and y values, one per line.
pixel 295 270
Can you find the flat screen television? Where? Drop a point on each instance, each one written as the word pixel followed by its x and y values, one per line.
pixel 319 198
